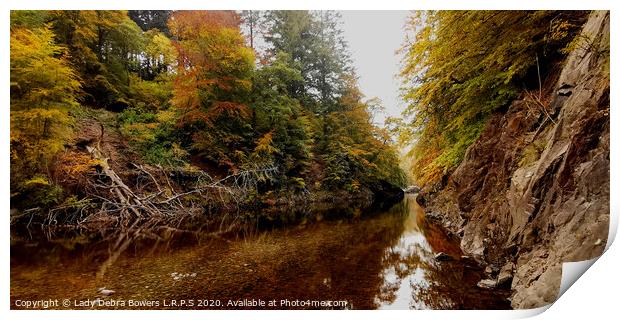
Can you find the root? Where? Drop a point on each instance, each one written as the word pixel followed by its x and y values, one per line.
pixel 117 202
pixel 127 200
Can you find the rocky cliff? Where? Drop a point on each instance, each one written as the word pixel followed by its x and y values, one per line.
pixel 533 190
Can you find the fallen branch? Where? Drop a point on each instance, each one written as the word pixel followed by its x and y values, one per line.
pixel 538 102
pixel 127 204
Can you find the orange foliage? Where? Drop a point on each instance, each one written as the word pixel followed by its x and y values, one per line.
pixel 230 109
pixel 187 23
pixel 210 49
pixel 73 169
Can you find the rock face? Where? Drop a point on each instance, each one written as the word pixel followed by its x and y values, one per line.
pixel 487 284
pixel 506 274
pixel 534 188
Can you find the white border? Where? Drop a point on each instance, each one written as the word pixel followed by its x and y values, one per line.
pixel 594 295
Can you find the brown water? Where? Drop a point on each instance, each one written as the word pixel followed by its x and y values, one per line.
pixel 383 260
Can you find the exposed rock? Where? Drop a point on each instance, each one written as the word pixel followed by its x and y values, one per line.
pixel 106 292
pixel 565 90
pixel 505 274
pixel 433 216
pixel 487 283
pixel 549 207
pixel 488 270
pixel 412 189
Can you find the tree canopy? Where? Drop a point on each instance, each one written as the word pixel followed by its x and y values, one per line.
pixel 188 89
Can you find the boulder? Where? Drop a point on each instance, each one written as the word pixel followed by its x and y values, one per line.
pixel 487 283
pixel 505 274
pixel 106 292
pixel 412 189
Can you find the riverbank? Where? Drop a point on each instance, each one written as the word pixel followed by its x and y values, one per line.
pixel 104 182
pixel 533 191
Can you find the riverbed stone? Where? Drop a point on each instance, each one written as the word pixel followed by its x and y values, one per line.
pixel 487 283
pixel 106 292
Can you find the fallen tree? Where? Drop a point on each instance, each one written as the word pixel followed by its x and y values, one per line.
pixel 110 200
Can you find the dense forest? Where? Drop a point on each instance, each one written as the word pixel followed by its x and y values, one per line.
pixel 267 100
pixel 102 101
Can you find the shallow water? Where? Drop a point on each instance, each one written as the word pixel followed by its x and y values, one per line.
pixel 371 260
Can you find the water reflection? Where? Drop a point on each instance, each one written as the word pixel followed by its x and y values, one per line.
pixel 405 263
pixel 413 279
pixel 382 260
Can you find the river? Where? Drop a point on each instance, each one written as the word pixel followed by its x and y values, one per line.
pixel 377 259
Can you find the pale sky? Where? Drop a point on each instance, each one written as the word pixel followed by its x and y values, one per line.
pixel 373 38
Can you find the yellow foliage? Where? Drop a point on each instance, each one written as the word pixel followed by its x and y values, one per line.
pixel 43 90
pixel 38 180
pixel 460 66
pixel 264 144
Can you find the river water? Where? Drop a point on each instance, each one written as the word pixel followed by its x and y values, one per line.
pixel 377 259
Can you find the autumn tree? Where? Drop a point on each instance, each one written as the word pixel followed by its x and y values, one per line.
pixel 106 45
pixel 356 152
pixel 185 90
pixel 345 141
pixel 460 66
pixel 30 19
pixel 44 88
pixel 212 84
